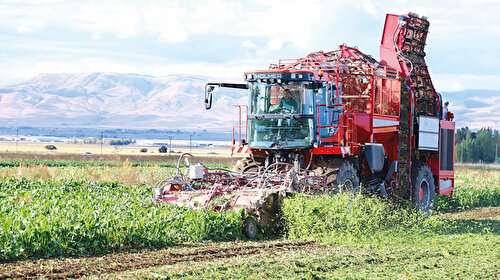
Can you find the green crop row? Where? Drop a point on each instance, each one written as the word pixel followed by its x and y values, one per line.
pixel 468 197
pixel 43 219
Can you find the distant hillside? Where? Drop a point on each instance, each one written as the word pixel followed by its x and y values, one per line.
pixel 116 100
pixel 171 102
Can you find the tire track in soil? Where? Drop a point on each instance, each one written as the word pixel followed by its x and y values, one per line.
pixel 113 263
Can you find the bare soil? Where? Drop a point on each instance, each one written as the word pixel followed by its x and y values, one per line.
pixel 480 213
pixel 76 267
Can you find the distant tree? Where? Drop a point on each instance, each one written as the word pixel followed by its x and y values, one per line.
pixel 461 133
pixel 91 140
pixel 118 142
pixel 476 146
pixel 144 150
pixel 50 147
pixel 162 149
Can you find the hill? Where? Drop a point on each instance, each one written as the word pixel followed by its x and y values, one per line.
pixel 113 100
pixel 116 101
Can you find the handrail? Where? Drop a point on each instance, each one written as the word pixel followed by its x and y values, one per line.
pixel 240 125
pixel 345 127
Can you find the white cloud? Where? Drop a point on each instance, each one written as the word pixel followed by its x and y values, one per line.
pixel 166 22
pixel 30 67
pixel 118 19
pixel 275 44
pixel 248 44
pixel 455 82
pixel 295 26
pixel 494 100
pixel 29 26
pixel 369 8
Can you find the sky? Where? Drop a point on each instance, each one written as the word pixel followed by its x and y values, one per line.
pixel 222 38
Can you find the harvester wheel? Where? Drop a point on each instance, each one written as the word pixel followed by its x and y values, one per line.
pixel 250 227
pixel 423 187
pixel 246 165
pixel 347 179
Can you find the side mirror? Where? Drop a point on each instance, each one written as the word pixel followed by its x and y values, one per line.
pixel 330 95
pixel 208 96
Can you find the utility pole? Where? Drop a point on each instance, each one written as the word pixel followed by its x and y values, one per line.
pixel 170 145
pixel 101 143
pixel 17 140
pixel 496 153
pixel 462 152
pixel 190 142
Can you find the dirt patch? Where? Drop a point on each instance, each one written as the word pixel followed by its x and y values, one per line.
pixel 113 263
pixel 480 213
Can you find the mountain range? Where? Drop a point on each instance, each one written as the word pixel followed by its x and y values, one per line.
pixel 115 100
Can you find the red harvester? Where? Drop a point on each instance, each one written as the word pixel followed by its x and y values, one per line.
pixel 336 121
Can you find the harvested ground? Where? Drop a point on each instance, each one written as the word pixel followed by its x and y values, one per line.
pixel 113 263
pixel 480 213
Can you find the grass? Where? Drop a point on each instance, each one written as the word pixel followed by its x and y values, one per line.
pixel 445 259
pixel 131 173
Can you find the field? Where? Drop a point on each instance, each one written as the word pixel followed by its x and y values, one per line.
pixel 71 219
pixel 221 148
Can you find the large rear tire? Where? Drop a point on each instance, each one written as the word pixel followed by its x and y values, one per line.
pixel 347 179
pixel 424 189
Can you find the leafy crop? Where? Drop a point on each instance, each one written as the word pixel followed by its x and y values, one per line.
pixel 468 197
pixel 475 186
pixel 43 219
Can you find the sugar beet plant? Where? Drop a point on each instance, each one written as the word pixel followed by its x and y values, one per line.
pixel 469 197
pixel 43 219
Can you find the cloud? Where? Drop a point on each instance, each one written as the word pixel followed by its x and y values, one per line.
pixel 275 44
pixel 370 8
pixel 120 20
pixel 456 82
pixel 459 52
pixel 248 44
pixel 29 26
pixel 494 100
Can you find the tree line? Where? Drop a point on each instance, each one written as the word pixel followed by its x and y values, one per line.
pixel 477 146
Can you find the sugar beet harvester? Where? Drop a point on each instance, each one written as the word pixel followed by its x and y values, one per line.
pixel 336 121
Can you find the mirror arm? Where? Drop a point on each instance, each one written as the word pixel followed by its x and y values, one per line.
pixel 210 87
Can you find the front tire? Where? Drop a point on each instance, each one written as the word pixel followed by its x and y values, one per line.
pixel 250 227
pixel 424 190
